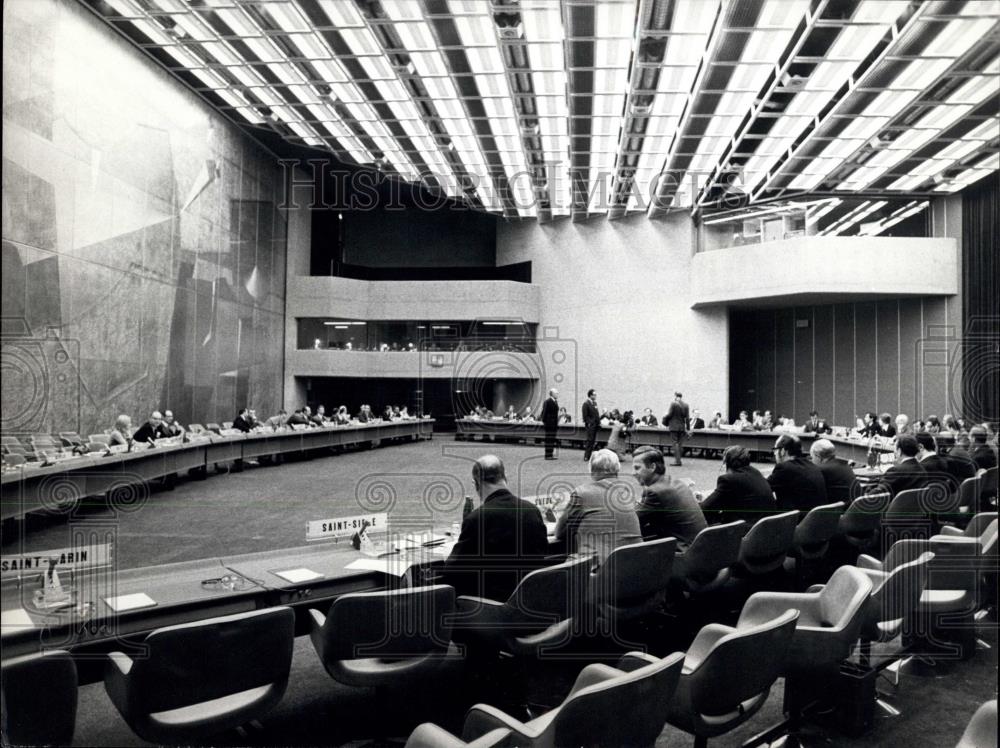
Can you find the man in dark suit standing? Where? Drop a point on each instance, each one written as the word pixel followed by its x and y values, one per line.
pixel 550 420
pixel 837 474
pixel 591 420
pixel 676 421
pixel 501 540
pixel 796 482
pixel 907 473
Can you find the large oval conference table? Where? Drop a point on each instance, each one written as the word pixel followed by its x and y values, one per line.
pixel 32 486
pixel 570 434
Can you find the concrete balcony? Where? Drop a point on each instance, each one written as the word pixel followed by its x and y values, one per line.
pixel 309 296
pixel 825 270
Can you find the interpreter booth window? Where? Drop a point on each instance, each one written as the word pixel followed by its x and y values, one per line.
pixel 410 335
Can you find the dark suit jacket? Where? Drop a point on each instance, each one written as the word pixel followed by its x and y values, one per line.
pixel 148 431
pixel 985 456
pixel 744 494
pixel 241 423
pixel 904 476
pixel 677 416
pixel 697 423
pixel 501 541
pixel 591 416
pixel 820 427
pixel 797 484
pixel 839 479
pixel 669 509
pixel 960 464
pixel 936 467
pixel 550 414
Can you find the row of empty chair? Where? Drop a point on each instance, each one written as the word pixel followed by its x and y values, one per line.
pixel 195 680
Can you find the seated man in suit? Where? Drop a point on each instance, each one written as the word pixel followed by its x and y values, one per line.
pixel 697 422
pixel 242 421
pixel 501 540
pixel 934 464
pixel 796 482
pixel 984 455
pixel 837 474
pixel 958 460
pixel 668 507
pixel 907 473
pixel 741 493
pixel 151 430
pixel 600 515
pixel 817 425
pixel 170 425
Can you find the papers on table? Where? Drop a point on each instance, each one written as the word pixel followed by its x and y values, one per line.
pixel 130 602
pixel 298 575
pixel 390 565
pixel 13 621
pixel 424 539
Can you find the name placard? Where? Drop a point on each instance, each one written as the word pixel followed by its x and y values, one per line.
pixel 345 527
pixel 76 559
pixel 545 501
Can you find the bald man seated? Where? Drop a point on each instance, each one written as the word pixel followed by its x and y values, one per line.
pixel 501 540
pixel 837 474
pixel 151 430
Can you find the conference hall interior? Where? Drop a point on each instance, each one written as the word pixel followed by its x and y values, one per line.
pixel 532 373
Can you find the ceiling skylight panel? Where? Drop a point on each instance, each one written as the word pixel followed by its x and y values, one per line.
pixel 921 73
pixel 676 79
pixel 607 105
pixel 264 50
pixel 784 13
pixel 880 11
pixel 346 92
pixel 485 60
pixel 552 106
pixel 343 14
pixel 942 116
pixel 890 103
pixel 545 56
pixel 287 16
pixel 378 68
pixel 542 23
pixel 500 108
pixel 863 128
pixel 615 18
pixel 549 84
pixel 231 98
pixel 958 37
pixel 238 22
pixel 416 37
pixel 361 41
pixel 476 31
pixel 662 125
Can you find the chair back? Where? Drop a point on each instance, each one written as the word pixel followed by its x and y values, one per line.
pixel 621 710
pixel 396 623
pixel 864 515
pixel 899 593
pixel 742 665
pixel 195 428
pixel 979 523
pixel 907 506
pixel 197 662
pixel 70 438
pixel 227 424
pixel 843 599
pixel 10 440
pixel 968 493
pixel 555 591
pixel 39 695
pixel 13 459
pixel 813 533
pixel 765 545
pixel 982 728
pixel 99 439
pixel 634 572
pixel 213 427
pixel 713 549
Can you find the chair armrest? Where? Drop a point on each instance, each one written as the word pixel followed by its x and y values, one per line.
pixel 483 718
pixel 951 531
pixel 592 675
pixel 766 606
pixel 429 735
pixel 868 562
pixel 703 643
pixel 816 588
pixel 877 576
pixel 122 661
pixel 632 661
pixel 317 621
pixel 479 612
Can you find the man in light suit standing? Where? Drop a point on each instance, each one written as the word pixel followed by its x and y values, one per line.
pixel 676 421
pixel 550 420
pixel 591 420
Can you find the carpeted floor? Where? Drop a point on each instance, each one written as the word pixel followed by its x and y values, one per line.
pixel 266 507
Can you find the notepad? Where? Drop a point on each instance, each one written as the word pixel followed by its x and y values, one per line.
pixel 393 565
pixel 130 602
pixel 12 621
pixel 298 575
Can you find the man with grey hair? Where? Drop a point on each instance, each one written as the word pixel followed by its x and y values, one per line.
pixel 151 430
pixel 501 540
pixel 837 474
pixel 600 515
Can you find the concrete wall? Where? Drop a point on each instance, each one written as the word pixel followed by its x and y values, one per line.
pixel 143 246
pixel 619 294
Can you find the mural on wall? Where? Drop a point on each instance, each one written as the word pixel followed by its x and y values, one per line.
pixel 143 253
